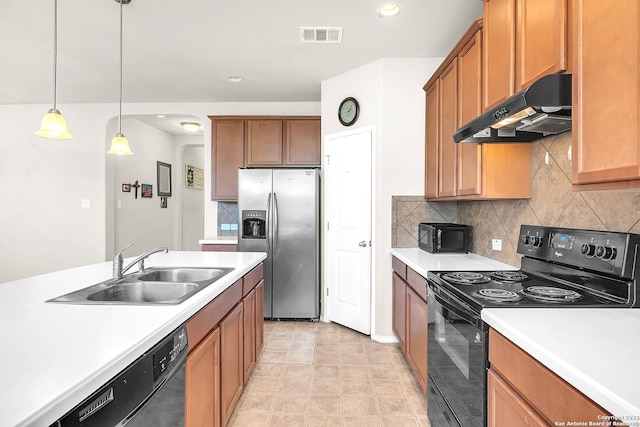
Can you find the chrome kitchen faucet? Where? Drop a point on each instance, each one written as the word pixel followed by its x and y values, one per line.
pixel 118 271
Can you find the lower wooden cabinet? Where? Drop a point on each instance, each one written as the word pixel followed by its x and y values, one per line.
pixel 416 336
pixel 249 325
pixel 202 401
pixel 506 408
pixel 523 392
pixel 220 248
pixel 231 360
pixel 410 318
pixel 226 338
pixel 259 318
pixel 399 309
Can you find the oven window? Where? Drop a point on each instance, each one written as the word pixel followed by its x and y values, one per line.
pixel 457 365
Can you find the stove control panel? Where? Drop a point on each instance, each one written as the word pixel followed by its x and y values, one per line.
pixel 602 251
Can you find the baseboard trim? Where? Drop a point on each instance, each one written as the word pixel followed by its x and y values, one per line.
pixel 385 339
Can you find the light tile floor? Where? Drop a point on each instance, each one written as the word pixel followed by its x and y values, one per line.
pixel 319 374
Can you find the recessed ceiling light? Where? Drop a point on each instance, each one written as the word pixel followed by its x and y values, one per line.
pixel 161 116
pixel 235 79
pixel 389 9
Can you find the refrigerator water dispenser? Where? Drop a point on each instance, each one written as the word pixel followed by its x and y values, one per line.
pixel 254 224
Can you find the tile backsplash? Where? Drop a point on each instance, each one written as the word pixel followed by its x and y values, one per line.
pixel 552 202
pixel 227 219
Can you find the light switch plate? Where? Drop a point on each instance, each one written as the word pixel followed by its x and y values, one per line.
pixel 496 244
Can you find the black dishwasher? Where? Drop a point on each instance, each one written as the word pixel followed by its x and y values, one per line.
pixel 149 392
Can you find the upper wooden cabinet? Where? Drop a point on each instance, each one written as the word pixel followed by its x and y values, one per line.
pixel 264 141
pixel 523 41
pixel 467 171
pixel 302 142
pixel 227 155
pixel 606 95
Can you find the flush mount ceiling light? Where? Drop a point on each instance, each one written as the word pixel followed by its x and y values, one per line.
pixel 54 125
pixel 119 143
pixel 190 126
pixel 235 79
pixel 388 10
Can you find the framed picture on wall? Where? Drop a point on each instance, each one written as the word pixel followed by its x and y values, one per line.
pixel 147 190
pixel 164 178
pixel 194 177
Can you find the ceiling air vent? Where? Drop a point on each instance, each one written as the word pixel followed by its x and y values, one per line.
pixel 321 34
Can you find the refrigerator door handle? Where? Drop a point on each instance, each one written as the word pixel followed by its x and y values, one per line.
pixel 275 223
pixel 269 228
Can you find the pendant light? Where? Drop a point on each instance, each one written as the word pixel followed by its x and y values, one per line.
pixel 54 125
pixel 119 143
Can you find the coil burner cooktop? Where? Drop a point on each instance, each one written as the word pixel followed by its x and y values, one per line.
pixel 560 268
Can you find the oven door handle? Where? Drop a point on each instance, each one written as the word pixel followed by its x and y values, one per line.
pixel 454 304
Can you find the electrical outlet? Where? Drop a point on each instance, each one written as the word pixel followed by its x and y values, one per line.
pixel 496 244
pixel 86 204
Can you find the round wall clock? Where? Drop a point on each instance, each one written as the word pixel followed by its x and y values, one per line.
pixel 348 111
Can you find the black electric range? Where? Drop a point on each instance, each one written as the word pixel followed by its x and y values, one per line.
pixel 560 268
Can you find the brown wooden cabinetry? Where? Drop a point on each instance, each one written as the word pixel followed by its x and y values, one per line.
pixel 523 392
pixel 253 319
pixel 410 317
pixel 231 360
pixel 467 171
pixel 606 95
pixel 302 142
pixel 202 399
pixel 432 136
pixel 219 248
pixel 215 368
pixel 264 143
pixel 399 297
pixel 448 151
pixel 416 341
pixel 227 155
pixel 259 141
pixel 523 41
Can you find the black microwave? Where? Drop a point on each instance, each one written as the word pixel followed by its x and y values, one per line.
pixel 438 237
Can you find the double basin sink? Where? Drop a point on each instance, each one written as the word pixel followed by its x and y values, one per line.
pixel 155 285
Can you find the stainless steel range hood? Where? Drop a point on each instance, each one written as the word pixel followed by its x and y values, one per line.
pixel 542 109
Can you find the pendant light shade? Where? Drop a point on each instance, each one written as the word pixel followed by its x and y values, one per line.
pixel 119 143
pixel 54 125
pixel 120 146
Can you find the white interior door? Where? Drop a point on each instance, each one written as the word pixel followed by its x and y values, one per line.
pixel 347 228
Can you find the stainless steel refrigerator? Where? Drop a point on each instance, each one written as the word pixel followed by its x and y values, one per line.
pixel 280 215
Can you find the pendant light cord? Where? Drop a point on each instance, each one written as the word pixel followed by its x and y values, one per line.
pixel 55 52
pixel 121 91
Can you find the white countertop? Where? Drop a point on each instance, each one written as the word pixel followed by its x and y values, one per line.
pixel 595 350
pixel 54 355
pixel 219 240
pixel 422 261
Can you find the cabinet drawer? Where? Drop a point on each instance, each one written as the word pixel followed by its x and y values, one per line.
pixel 547 393
pixel 199 325
pixel 417 283
pixel 251 279
pixel 399 267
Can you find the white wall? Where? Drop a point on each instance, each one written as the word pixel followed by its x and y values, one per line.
pixel 391 98
pixel 140 220
pixel 192 200
pixel 42 182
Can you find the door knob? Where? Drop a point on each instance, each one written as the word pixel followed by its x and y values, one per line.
pixel 363 244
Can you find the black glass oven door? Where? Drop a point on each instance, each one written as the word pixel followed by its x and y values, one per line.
pixel 457 356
